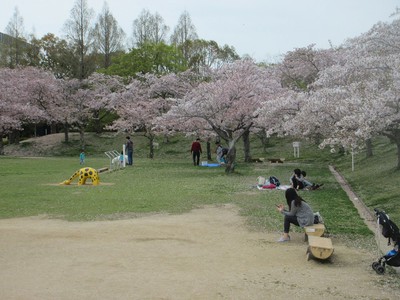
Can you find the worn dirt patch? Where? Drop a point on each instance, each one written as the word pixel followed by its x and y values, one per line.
pixel 208 253
pixel 76 184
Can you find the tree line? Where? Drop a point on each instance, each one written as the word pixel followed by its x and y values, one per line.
pixel 99 44
pixel 340 97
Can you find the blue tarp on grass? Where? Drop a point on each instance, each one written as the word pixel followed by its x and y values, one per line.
pixel 210 165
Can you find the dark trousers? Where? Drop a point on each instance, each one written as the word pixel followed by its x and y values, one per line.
pixel 196 158
pixel 130 157
pixel 297 184
pixel 289 220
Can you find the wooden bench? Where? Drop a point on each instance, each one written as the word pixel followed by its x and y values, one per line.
pixel 257 160
pixel 314 230
pixel 319 247
pixel 276 160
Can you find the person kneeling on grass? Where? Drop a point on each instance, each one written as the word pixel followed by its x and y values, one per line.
pixel 299 213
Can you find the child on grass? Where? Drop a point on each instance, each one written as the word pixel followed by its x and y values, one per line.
pixel 82 158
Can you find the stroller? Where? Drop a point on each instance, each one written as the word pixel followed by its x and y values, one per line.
pixel 391 232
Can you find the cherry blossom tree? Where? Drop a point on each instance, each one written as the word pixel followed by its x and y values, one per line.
pixel 68 104
pixel 44 92
pixel 301 66
pixel 26 97
pixel 226 104
pixel 358 99
pixel 145 100
pixel 375 84
pixel 85 100
pixel 11 110
pixel 297 72
pixel 103 89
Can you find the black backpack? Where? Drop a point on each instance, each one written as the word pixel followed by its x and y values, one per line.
pixel 274 180
pixel 389 228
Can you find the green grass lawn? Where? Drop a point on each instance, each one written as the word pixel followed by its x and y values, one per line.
pixel 30 187
pixel 170 183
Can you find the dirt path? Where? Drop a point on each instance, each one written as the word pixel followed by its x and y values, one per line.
pixel 206 254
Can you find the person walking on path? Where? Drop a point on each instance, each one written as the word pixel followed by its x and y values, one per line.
pixel 196 151
pixel 129 150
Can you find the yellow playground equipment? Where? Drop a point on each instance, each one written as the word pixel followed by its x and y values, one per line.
pixel 84 174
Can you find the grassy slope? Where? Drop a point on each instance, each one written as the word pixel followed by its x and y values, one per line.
pixel 375 179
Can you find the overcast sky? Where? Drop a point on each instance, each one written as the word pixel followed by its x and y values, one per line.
pixel 263 29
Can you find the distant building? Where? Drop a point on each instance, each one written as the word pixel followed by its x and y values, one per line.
pixel 12 51
pixel 5 39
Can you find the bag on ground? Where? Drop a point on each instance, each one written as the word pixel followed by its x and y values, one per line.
pixel 274 180
pixel 260 180
pixel 318 218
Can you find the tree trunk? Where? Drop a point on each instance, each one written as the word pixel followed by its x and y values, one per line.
pixel 82 138
pixel 398 155
pixel 246 144
pixel 394 137
pixel 368 146
pixel 1 144
pixel 66 132
pixel 14 137
pixel 53 128
pixel 97 126
pixel 230 160
pixel 208 149
pixel 151 146
pixel 341 150
pixel 264 140
pixel 166 139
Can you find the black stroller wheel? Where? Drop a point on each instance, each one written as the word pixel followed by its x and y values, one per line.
pixel 375 265
pixel 380 270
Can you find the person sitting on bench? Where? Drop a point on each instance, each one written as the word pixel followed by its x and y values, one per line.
pixel 299 213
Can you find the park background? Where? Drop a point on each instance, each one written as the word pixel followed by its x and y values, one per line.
pixel 350 91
